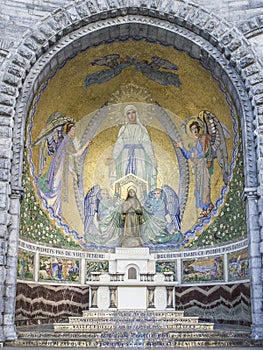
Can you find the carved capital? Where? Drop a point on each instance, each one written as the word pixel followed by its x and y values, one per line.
pixel 250 193
pixel 17 192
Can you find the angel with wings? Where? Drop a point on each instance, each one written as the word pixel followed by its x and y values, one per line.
pixel 208 135
pixel 58 141
pixel 162 219
pixel 102 222
pixel 50 138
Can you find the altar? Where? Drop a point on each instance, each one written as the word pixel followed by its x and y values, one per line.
pixel 131 283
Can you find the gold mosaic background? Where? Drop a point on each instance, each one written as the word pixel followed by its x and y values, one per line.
pixel 198 91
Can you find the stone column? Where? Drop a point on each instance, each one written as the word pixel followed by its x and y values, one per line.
pixel 113 297
pixel 94 297
pixel 9 299
pixel 170 299
pixel 83 272
pixel 151 297
pixel 254 204
pixel 36 267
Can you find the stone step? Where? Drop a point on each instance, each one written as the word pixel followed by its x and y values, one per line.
pixel 77 327
pixel 160 320
pixel 223 336
pixel 129 313
pixel 133 329
pixel 129 320
pixel 134 343
pixel 118 334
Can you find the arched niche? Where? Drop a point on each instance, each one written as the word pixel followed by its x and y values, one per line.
pixel 132 273
pixel 220 49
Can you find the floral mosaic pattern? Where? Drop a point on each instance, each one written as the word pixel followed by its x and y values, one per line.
pixel 166 267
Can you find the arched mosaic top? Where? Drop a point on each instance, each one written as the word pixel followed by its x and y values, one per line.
pixel 210 40
pixel 158 151
pixel 172 16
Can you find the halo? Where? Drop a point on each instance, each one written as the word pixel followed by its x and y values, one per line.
pixel 186 125
pixel 130 94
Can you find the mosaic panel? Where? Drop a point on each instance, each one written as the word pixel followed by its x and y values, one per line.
pixel 96 266
pixel 203 270
pixel 58 269
pixel 238 266
pixel 35 224
pixel 25 265
pixel 231 221
pixel 129 143
pixel 167 266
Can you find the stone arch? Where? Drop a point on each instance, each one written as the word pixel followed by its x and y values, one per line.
pixel 187 27
pixel 252 27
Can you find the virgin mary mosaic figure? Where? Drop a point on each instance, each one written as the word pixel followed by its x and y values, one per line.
pixel 133 151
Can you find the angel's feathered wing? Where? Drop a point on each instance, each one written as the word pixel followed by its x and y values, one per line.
pixel 105 231
pixel 108 60
pixel 158 62
pixel 219 133
pixel 172 207
pixel 47 145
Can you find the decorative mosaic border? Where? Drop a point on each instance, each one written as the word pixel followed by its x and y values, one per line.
pixel 222 264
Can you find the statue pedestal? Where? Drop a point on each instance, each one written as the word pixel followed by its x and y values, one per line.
pixel 131 242
pixel 132 263
pixel 132 253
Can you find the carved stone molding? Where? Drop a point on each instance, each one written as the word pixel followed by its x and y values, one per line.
pixel 252 27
